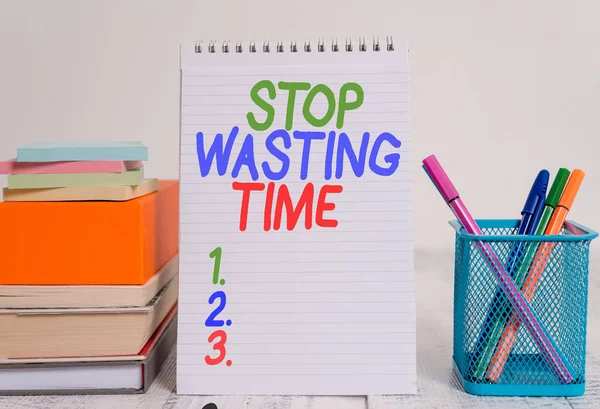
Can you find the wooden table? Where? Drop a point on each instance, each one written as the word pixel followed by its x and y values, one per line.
pixel 438 387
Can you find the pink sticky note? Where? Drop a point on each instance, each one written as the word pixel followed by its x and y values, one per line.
pixel 12 167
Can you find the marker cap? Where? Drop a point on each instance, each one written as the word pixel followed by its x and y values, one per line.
pixel 557 187
pixel 439 178
pixel 537 194
pixel 568 196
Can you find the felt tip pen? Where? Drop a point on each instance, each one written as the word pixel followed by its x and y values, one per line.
pixel 451 197
pixel 509 336
pixel 499 310
pixel 552 199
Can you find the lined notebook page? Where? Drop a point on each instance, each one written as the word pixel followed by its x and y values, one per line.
pixel 308 309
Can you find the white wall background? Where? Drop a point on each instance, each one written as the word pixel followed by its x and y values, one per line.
pixel 500 89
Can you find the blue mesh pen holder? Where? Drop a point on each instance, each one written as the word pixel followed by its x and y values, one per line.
pixel 491 355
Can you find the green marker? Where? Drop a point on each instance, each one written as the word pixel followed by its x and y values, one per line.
pixel 551 201
pixel 498 326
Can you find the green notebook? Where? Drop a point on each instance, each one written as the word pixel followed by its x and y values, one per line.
pixel 130 178
pixel 82 151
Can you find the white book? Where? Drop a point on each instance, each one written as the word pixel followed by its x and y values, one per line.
pixel 116 374
pixel 296 228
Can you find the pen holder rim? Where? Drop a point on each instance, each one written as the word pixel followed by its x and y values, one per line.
pixel 584 233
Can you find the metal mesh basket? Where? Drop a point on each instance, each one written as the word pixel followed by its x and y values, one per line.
pixel 493 353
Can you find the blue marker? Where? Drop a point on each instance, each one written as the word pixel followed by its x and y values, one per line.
pixel 500 308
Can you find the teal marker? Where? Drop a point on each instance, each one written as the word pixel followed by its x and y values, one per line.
pixel 502 317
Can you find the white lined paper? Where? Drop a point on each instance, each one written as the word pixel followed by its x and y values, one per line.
pixel 324 311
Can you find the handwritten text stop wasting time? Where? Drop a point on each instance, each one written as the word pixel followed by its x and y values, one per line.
pixel 276 197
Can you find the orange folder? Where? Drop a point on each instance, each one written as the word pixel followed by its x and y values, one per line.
pixel 89 243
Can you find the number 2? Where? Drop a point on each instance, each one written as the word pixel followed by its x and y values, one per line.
pixel 210 321
pixel 219 346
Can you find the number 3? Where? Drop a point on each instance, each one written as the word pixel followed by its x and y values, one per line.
pixel 219 346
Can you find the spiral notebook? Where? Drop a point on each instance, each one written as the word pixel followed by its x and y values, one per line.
pixel 296 232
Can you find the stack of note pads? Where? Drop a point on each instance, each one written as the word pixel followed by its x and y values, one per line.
pixel 88 270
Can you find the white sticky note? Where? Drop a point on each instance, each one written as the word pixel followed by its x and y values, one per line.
pixel 315 287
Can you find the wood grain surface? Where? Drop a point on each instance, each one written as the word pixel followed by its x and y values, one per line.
pixel 437 386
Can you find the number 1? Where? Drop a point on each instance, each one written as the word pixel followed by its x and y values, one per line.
pixel 216 254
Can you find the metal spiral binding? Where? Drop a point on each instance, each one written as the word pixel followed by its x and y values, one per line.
pixel 293 47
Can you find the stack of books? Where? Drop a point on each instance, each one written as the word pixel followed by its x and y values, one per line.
pixel 88 270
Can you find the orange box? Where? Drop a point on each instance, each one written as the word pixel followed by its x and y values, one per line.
pixel 89 243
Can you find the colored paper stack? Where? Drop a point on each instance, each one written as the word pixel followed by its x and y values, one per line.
pixel 88 269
